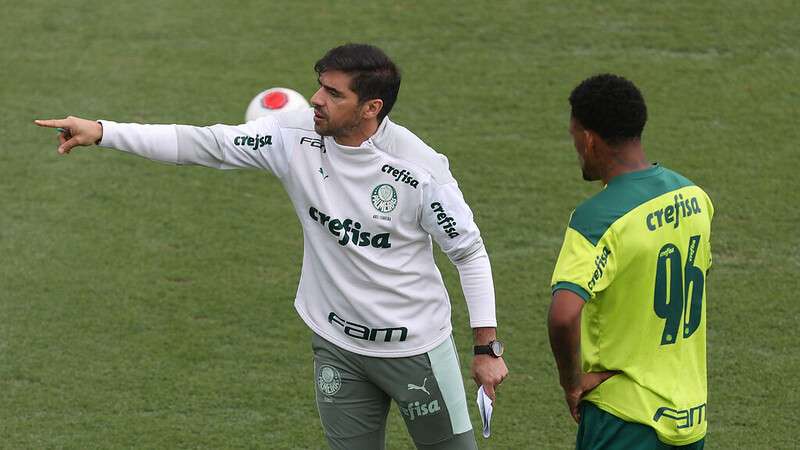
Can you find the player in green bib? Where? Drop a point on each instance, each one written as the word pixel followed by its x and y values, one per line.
pixel 627 320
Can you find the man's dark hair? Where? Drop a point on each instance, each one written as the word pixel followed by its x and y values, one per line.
pixel 374 74
pixel 611 106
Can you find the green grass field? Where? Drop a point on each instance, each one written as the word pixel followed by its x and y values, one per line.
pixel 148 306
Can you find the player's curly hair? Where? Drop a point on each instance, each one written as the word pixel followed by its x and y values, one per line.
pixel 375 75
pixel 611 106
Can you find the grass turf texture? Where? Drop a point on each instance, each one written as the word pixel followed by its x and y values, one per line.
pixel 148 306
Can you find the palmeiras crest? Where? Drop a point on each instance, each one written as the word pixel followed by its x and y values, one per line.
pixel 329 380
pixel 384 198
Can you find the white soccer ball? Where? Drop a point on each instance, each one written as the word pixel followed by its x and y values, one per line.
pixel 274 100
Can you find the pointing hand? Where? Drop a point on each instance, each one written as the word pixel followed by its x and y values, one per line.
pixel 74 131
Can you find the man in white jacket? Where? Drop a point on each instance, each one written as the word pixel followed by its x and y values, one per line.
pixel 370 195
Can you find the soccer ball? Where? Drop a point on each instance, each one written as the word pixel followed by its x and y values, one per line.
pixel 274 100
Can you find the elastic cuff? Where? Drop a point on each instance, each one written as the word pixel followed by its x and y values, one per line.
pixel 97 142
pixel 581 292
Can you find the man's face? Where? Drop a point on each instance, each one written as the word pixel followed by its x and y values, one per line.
pixel 582 141
pixel 337 111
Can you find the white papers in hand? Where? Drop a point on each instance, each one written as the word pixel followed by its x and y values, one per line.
pixel 485 407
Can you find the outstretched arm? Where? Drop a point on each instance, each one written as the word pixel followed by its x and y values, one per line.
pixel 257 144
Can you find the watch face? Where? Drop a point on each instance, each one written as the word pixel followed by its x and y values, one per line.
pixel 497 348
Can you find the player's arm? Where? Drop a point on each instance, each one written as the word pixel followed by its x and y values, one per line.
pixel 256 144
pixel 564 327
pixel 571 289
pixel 448 219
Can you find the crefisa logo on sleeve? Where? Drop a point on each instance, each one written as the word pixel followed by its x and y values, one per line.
pixel 447 223
pixel 254 142
pixel 600 263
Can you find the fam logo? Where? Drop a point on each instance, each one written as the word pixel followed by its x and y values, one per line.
pixel 366 333
pixel 329 380
pixel 384 198
pixel 313 142
pixel 685 418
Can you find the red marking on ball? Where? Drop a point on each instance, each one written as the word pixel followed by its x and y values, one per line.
pixel 275 100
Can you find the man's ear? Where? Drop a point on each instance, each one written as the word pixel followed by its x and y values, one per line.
pixel 590 138
pixel 371 108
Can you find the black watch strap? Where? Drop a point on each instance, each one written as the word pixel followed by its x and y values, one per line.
pixel 496 348
pixel 483 350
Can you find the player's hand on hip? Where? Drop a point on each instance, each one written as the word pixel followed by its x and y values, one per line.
pixel 489 372
pixel 589 381
pixel 74 131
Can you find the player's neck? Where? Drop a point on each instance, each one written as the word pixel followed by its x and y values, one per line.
pixel 630 158
pixel 359 134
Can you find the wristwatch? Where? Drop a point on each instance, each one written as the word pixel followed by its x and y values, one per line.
pixel 495 349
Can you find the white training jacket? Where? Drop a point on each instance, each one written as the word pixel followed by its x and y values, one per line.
pixel 369 283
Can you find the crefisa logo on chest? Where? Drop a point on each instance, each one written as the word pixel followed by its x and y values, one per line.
pixel 384 198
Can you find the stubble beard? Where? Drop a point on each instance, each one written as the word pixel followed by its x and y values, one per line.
pixel 344 129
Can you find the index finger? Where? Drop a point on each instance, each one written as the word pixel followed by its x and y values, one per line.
pixel 51 123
